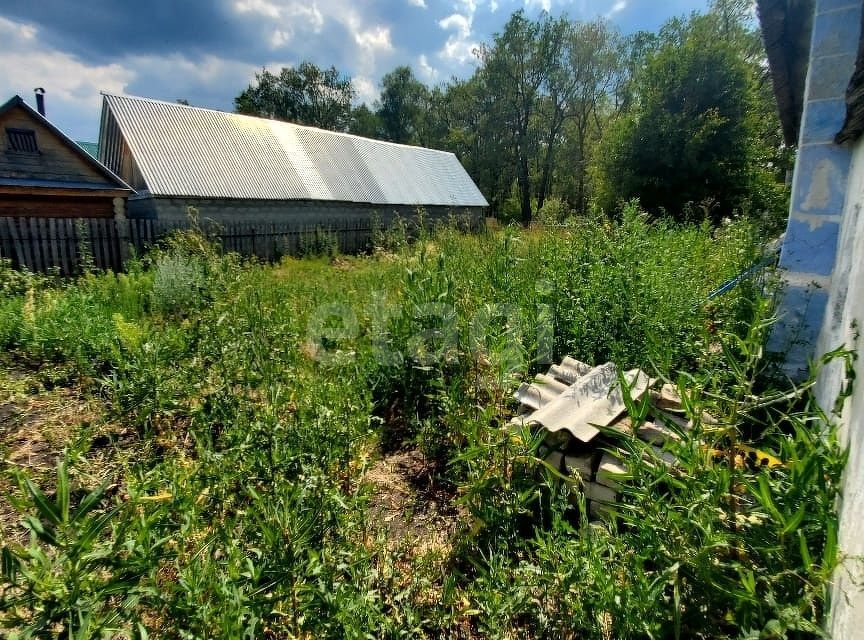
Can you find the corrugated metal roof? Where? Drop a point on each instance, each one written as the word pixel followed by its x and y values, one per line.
pixel 194 152
pixel 90 147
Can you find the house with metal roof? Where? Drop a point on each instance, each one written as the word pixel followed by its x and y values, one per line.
pixel 43 173
pixel 238 168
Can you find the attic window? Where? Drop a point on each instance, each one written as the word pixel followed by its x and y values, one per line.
pixel 23 140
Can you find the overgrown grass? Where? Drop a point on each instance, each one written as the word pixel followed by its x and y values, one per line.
pixel 266 392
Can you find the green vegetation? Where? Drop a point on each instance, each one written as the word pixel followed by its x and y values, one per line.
pixel 268 406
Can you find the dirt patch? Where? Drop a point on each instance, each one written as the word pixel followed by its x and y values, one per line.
pixel 36 425
pixel 410 502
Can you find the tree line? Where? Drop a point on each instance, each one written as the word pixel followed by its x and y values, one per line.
pixel 563 116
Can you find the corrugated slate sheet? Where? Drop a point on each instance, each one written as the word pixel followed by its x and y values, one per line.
pixel 571 401
pixel 194 152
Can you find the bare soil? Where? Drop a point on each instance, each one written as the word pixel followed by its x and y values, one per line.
pixel 37 425
pixel 411 504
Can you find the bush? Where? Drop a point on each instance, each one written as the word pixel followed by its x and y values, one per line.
pixel 179 284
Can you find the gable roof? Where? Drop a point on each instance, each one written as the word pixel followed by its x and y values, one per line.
pixel 194 152
pixel 111 178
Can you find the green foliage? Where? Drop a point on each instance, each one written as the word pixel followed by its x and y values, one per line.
pixel 260 406
pixel 687 140
pixel 320 242
pixel 74 578
pixel 402 106
pixel 364 122
pixel 179 284
pixel 554 211
pixel 682 118
pixel 304 95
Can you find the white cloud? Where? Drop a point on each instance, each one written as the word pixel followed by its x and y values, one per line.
pixel 418 3
pixel 546 5
pixel 459 47
pixel 366 90
pixel 260 7
pixel 427 71
pixel 618 7
pixel 280 38
pixel 286 15
pixel 375 39
pixel 457 22
pixel 73 100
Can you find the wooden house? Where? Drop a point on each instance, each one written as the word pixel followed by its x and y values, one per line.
pixel 240 169
pixel 45 174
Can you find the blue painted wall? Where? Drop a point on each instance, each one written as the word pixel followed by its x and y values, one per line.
pixel 819 185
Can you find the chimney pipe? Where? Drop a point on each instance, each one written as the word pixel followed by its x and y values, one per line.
pixel 40 100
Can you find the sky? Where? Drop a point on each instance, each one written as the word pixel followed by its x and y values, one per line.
pixel 207 51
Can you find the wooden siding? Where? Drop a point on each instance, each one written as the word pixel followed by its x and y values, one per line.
pixel 56 206
pixel 55 161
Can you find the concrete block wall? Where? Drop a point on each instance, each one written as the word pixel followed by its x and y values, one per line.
pixel 303 213
pixel 819 185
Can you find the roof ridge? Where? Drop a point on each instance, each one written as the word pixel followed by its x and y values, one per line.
pixel 293 124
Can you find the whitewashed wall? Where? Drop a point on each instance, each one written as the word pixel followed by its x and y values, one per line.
pixel 844 321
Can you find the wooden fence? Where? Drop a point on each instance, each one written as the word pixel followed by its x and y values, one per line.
pixel 65 245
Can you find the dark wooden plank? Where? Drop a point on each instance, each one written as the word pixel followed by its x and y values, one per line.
pixel 72 246
pixel 44 243
pixel 92 241
pixel 5 239
pixel 21 239
pixel 133 236
pixel 117 246
pixel 35 245
pixel 52 239
pixel 32 233
pixel 105 243
pixel 113 244
pixel 62 250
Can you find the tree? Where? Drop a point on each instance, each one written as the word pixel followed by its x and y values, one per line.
pixel 688 138
pixel 364 122
pixel 583 65
pixel 468 114
pixel 403 104
pixel 305 95
pixel 515 68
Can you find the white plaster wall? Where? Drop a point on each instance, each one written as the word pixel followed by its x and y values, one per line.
pixel 844 319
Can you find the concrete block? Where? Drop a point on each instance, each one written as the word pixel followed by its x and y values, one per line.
pixel 800 312
pixel 822 120
pixel 656 433
pixel 810 248
pixel 836 32
pixel 829 76
pixel 823 6
pixel 820 180
pixel 610 471
pixel 580 465
pixel 554 460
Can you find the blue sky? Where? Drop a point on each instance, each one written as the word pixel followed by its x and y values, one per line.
pixel 207 51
